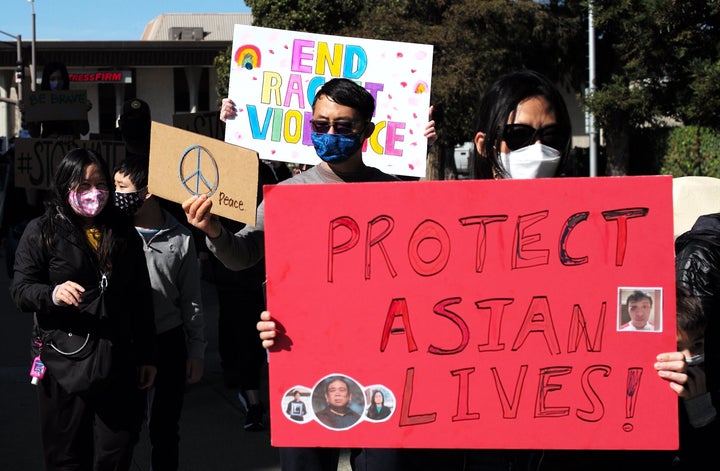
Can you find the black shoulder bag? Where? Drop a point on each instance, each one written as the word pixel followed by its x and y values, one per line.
pixel 79 358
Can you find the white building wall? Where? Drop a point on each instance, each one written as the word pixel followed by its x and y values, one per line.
pixel 155 86
pixel 9 116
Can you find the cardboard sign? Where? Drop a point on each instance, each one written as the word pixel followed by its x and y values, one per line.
pixel 37 159
pixel 184 164
pixel 275 74
pixel 694 196
pixel 206 123
pixel 56 105
pixel 484 315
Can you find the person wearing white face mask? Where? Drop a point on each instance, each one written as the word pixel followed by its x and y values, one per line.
pixel 522 129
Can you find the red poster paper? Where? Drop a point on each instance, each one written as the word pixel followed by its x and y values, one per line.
pixel 487 313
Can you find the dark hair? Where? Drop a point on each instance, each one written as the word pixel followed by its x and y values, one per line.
pixel 336 378
pixel 136 169
pixel 347 93
pixel 48 70
pixel 499 101
pixel 68 175
pixel 691 318
pixel 638 295
pixel 135 125
pixel 372 396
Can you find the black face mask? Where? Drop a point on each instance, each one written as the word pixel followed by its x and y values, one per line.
pixel 128 203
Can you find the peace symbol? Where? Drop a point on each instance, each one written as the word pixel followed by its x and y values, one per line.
pixel 199 176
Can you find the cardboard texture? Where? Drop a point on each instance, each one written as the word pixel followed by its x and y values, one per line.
pixel 185 164
pixel 57 105
pixel 36 159
pixel 694 196
pixel 275 74
pixel 486 316
pixel 206 123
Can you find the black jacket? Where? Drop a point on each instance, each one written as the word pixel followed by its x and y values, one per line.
pixel 697 263
pixel 127 311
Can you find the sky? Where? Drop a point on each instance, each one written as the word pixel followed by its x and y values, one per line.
pixel 97 20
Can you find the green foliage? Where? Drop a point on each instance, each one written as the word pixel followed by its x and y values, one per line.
pixel 313 16
pixel 693 151
pixel 474 41
pixel 655 59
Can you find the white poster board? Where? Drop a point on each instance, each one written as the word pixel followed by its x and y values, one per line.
pixel 274 77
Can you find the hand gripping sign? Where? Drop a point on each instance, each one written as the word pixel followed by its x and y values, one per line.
pixel 185 164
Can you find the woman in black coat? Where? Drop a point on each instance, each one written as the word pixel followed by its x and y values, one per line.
pixel 378 410
pixel 81 270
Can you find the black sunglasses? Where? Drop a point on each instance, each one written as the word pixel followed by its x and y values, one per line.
pixel 341 127
pixel 517 136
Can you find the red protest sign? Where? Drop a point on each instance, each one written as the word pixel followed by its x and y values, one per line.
pixel 488 314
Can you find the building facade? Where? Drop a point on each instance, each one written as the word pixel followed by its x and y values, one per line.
pixel 171 68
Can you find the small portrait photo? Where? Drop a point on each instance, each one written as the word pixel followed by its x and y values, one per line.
pixel 639 309
pixel 381 403
pixel 338 402
pixel 296 404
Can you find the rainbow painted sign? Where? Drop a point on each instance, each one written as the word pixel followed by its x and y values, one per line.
pixel 274 77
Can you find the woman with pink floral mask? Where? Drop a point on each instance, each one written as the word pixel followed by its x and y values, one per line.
pixel 80 269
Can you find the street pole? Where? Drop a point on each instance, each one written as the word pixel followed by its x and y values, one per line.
pixel 593 134
pixel 18 69
pixel 32 66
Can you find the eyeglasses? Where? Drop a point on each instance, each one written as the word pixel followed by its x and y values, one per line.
pixel 517 136
pixel 341 127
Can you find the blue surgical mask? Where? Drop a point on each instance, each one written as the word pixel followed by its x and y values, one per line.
pixel 336 148
pixel 56 84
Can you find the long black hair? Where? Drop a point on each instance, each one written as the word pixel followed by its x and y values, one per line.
pixel 68 175
pixel 499 101
pixel 48 70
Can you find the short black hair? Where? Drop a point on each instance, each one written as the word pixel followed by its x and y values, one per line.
pixel 691 319
pixel 638 295
pixel 136 169
pixel 348 93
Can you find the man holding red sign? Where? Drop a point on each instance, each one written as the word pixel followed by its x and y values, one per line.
pixel 342 113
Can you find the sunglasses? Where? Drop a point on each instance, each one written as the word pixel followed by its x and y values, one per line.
pixel 341 127
pixel 517 136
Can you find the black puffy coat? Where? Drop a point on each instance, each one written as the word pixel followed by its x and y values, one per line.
pixel 697 264
pixel 128 310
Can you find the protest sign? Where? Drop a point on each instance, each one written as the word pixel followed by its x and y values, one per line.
pixel 206 123
pixel 487 316
pixel 56 105
pixel 184 164
pixel 37 159
pixel 275 74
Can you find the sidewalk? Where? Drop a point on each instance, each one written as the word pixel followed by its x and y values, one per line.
pixel 211 430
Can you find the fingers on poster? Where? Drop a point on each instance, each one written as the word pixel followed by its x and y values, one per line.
pixel 338 402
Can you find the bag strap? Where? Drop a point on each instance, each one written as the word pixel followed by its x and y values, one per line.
pixel 87 339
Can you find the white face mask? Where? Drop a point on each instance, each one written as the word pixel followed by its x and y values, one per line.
pixel 534 161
